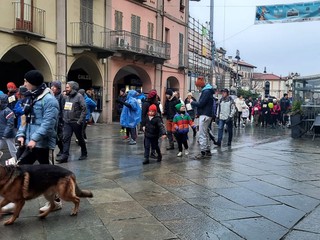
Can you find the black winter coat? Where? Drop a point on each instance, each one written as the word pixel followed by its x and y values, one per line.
pixel 154 128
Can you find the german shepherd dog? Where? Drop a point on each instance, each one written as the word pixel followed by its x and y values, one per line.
pixel 26 182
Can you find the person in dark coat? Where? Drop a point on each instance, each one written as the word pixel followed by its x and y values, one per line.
pixel 170 112
pixel 152 98
pixel 153 129
pixel 12 94
pixel 205 111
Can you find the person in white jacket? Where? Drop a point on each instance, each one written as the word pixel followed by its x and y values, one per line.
pixel 225 112
pixel 240 105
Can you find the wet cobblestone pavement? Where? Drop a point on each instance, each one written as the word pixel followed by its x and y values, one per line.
pixel 266 186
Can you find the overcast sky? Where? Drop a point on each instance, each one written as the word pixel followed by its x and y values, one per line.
pixel 281 48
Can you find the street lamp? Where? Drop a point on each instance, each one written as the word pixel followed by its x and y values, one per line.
pixel 237 77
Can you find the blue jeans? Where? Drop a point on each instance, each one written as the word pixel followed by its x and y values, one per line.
pixel 220 130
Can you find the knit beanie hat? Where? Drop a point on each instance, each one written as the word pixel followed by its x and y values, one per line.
pixel 169 92
pixel 56 84
pixel 11 85
pixel 178 106
pixel 153 107
pixel 34 77
pixel 200 82
pixel 152 94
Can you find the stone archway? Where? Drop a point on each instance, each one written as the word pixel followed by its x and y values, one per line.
pixel 85 71
pixel 19 60
pixel 129 77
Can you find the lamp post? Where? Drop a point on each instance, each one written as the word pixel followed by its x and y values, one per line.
pixel 237 76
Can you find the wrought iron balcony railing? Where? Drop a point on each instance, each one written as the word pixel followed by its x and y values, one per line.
pixel 134 43
pixel 89 35
pixel 29 19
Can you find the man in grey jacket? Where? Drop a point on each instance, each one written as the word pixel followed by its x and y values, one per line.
pixel 225 112
pixel 74 112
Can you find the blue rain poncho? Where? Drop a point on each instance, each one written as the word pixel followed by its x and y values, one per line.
pixel 131 112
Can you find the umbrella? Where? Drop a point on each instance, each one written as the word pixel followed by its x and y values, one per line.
pixel 95 116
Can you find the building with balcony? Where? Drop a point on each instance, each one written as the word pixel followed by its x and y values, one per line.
pixel 104 45
pixel 269 84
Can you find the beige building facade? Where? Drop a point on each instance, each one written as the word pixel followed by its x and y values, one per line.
pixel 105 45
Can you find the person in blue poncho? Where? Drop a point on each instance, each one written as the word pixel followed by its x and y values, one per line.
pixel 130 115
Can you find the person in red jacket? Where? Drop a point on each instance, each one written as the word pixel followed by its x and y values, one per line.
pixel 256 112
pixel 275 113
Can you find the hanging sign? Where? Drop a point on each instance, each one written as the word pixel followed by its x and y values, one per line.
pixel 283 13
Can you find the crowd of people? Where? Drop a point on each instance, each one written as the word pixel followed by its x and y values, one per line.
pixel 178 116
pixel 35 119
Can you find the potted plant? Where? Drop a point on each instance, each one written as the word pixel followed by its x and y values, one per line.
pixel 295 118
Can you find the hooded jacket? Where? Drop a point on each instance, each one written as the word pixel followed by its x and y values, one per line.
pixel 6 119
pixel 75 109
pixel 44 120
pixel 205 104
pixel 131 112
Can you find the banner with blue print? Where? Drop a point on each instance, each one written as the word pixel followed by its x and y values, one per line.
pixel 283 13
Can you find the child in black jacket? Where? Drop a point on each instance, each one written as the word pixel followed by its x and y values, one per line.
pixel 153 129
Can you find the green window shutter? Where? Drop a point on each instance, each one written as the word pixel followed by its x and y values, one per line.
pixel 118 20
pixel 150 30
pixel 181 62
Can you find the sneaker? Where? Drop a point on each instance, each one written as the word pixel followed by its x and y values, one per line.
pixel 83 157
pixel 200 156
pixel 153 155
pixel 8 209
pixel 208 154
pixel 125 137
pixel 229 144
pixel 179 154
pixel 121 130
pixel 159 158
pixel 186 152
pixel 171 147
pixel 132 142
pixel 57 206
pixel 61 160
pixel 146 161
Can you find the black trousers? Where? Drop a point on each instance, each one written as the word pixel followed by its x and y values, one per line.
pixel 153 143
pixel 68 130
pixel 182 139
pixel 27 156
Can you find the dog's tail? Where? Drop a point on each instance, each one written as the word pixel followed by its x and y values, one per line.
pixel 83 193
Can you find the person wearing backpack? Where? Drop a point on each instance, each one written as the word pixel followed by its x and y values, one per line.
pixel 225 113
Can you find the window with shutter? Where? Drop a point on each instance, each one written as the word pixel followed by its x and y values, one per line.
pixel 135 29
pixel 118 20
pixel 86 19
pixel 181 59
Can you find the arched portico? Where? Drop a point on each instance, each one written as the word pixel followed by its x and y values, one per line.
pixel 129 77
pixel 86 73
pixel 19 60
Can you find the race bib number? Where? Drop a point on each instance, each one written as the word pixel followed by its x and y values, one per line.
pixel 11 99
pixel 188 107
pixel 256 109
pixel 264 105
pixel 68 106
